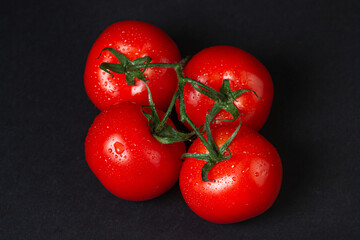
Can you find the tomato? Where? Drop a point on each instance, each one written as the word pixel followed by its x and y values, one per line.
pixel 245 186
pixel 211 66
pixel 126 158
pixel 134 39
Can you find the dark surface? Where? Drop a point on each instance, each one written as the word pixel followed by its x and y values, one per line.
pixel 311 49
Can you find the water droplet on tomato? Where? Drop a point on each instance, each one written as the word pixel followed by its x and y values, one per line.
pixel 110 150
pixel 119 147
pixel 234 178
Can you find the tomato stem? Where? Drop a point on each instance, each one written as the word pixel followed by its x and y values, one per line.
pixel 140 66
pixel 168 112
pixel 165 133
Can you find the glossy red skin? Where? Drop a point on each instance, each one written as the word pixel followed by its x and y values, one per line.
pixel 246 185
pixel 134 39
pixel 126 158
pixel 211 66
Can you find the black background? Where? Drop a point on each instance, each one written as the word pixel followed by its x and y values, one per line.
pixel 311 49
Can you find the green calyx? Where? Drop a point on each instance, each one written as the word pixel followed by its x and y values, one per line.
pixel 125 66
pixel 166 134
pixel 217 154
pixel 224 99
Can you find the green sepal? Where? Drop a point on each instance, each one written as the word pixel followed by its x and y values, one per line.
pixel 224 98
pixel 121 57
pixel 114 67
pixel 204 157
pixel 131 75
pixel 142 60
pixel 207 166
pixel 147 115
pixel 169 135
pixel 205 170
pixel 138 74
pixel 125 66
pixel 239 92
pixel 213 95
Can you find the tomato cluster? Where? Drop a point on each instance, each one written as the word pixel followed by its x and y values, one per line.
pixel 223 95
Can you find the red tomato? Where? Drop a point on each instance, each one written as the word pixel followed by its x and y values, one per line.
pixel 246 185
pixel 126 158
pixel 134 39
pixel 211 66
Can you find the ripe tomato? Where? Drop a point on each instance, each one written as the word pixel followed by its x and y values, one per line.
pixel 211 66
pixel 134 39
pixel 126 158
pixel 245 186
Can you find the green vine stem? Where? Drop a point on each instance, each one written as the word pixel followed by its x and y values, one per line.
pixel 163 132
